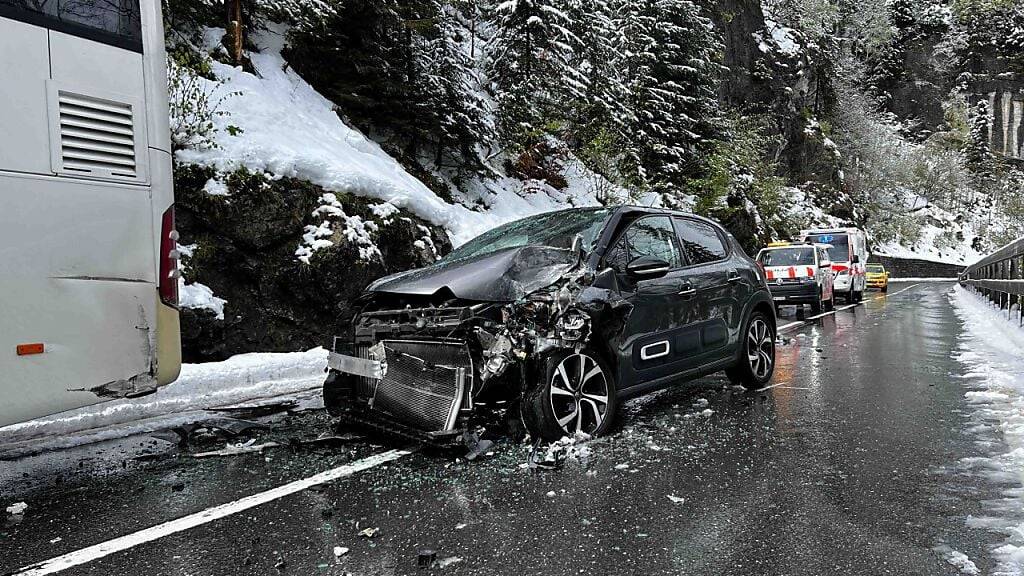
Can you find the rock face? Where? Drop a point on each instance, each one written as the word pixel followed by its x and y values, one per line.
pixel 914 268
pixel 243 246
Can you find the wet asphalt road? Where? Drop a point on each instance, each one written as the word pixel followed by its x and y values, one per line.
pixel 842 468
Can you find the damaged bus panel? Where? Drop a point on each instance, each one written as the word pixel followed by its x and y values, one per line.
pixel 551 321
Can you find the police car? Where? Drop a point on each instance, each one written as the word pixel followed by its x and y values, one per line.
pixel 798 274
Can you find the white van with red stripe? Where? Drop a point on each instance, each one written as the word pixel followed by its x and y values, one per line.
pixel 849 255
pixel 798 274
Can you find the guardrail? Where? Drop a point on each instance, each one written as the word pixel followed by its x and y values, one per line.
pixel 1000 277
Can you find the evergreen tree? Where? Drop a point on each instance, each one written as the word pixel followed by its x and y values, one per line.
pixel 531 65
pixel 669 54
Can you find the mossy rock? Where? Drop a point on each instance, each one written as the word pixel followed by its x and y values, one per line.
pixel 245 244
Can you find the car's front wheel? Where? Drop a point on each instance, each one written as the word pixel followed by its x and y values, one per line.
pixel 756 364
pixel 577 393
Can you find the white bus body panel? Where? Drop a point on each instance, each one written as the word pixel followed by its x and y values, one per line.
pixel 78 253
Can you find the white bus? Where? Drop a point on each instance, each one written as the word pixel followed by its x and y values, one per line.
pixel 88 253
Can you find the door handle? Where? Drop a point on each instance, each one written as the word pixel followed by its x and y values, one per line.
pixel 687 291
pixel 734 277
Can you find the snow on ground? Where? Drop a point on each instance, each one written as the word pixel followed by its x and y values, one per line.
pixel 285 128
pixel 990 349
pixel 241 378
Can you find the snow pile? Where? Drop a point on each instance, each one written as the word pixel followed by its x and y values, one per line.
pixel 990 348
pixel 283 127
pixel 201 386
pixel 196 295
pixel 959 560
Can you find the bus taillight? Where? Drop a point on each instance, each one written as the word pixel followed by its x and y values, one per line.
pixel 169 272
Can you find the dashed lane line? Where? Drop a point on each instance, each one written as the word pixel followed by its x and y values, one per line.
pixel 785 327
pixel 184 523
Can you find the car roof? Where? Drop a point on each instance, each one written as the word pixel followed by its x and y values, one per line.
pixel 634 209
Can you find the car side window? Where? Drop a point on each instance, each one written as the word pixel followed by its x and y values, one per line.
pixel 651 236
pixel 700 241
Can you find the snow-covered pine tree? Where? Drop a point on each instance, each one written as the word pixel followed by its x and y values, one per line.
pixel 531 65
pixel 669 51
pixel 451 105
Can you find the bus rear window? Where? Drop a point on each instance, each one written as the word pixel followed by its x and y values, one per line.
pixel 115 22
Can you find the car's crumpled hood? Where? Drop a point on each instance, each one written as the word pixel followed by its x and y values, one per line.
pixel 503 276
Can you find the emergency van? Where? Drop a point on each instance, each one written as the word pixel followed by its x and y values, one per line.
pixel 849 255
pixel 798 274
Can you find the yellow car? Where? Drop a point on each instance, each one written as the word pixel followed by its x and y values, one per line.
pixel 877 277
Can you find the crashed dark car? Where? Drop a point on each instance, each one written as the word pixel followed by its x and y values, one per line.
pixel 551 322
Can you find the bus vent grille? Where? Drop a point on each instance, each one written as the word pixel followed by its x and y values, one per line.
pixel 96 136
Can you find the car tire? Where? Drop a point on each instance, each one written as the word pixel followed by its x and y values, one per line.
pixel 858 296
pixel 756 364
pixel 884 288
pixel 568 396
pixel 817 305
pixel 830 304
pixel 850 295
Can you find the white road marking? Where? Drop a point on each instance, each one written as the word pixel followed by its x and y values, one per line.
pixel 123 543
pixel 785 327
pixel 767 388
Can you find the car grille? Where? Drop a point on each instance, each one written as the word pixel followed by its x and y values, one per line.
pixel 424 383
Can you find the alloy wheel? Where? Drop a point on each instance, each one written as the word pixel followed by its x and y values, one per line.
pixel 760 348
pixel 579 394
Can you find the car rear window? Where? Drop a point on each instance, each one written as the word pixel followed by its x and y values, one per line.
pixel 787 257
pixel 840 250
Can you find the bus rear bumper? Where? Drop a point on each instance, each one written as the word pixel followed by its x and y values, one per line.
pixel 168 344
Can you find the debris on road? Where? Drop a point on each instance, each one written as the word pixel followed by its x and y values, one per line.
pixel 17 509
pixel 236 449
pixel 551 494
pixel 247 411
pixel 621 466
pixel 425 558
pixel 446 562
pixel 230 427
pixel 340 551
pixel 475 446
pixel 369 532
pixel 676 499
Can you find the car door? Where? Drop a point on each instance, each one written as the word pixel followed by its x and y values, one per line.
pixel 650 342
pixel 719 290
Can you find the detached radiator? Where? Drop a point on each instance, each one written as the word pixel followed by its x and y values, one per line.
pixel 423 384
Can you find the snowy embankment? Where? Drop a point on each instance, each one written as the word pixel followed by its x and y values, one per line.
pixel 242 378
pixel 276 123
pixel 992 348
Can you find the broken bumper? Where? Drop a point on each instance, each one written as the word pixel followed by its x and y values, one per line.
pixel 411 387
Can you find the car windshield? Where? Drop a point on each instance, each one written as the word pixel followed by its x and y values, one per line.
pixel 875 268
pixel 554 229
pixel 788 256
pixel 840 250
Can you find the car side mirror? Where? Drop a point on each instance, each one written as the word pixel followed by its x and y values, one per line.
pixel 856 259
pixel 647 268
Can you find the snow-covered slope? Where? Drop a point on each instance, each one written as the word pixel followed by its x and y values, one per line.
pixel 282 126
